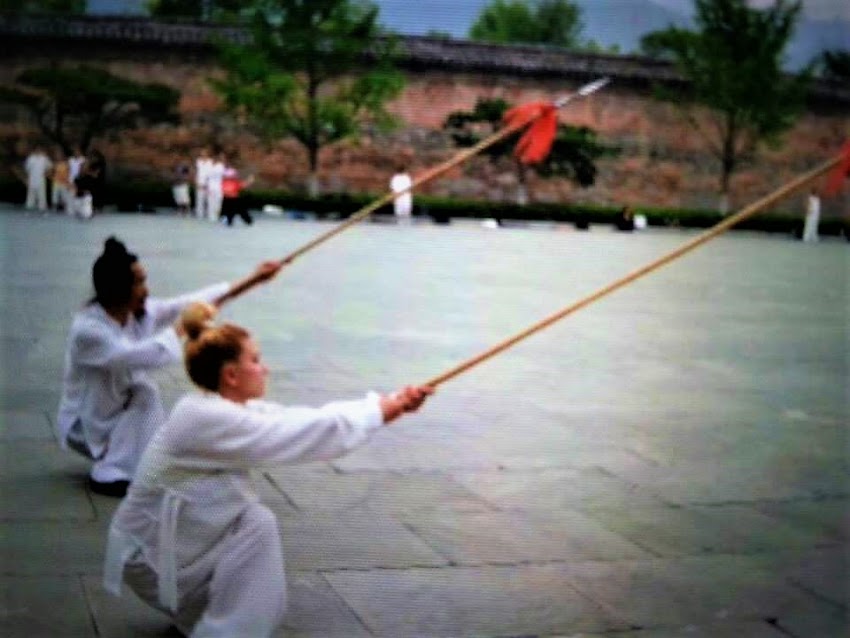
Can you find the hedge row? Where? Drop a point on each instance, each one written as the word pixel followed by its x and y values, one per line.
pixel 139 196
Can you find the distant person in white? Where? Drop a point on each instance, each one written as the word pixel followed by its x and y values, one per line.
pixel 37 166
pixel 403 204
pixel 810 227
pixel 192 538
pixel 215 195
pixel 75 164
pixel 202 164
pixel 110 406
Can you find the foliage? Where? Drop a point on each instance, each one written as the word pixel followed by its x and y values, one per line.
pixel 553 22
pixel 836 65
pixel 216 10
pixel 317 70
pixel 72 105
pixel 64 7
pixel 733 66
pixel 573 153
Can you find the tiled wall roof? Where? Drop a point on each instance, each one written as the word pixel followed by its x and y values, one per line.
pixel 418 52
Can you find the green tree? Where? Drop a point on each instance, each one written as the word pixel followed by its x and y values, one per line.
pixel 554 22
pixel 573 155
pixel 73 105
pixel 733 66
pixel 836 65
pixel 215 10
pixel 319 71
pixel 64 7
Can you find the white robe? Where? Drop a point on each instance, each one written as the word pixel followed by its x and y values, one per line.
pixel 202 166
pixel 402 204
pixel 110 405
pixel 193 497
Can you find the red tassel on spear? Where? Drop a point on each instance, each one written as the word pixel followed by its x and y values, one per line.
pixel 535 144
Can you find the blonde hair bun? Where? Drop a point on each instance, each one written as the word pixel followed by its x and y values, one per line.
pixel 197 317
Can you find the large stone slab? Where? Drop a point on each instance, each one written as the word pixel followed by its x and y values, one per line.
pixel 821 572
pixel 691 590
pixel 43 606
pixel 309 489
pixel 25 424
pixel 816 624
pixel 734 629
pixel 52 497
pixel 352 540
pixel 316 609
pixel 39 481
pixel 60 548
pixel 489 601
pixel 550 488
pixel 473 538
pixel 40 458
pixel 823 516
pixel 725 482
pixel 406 449
pixel 688 531
pixel 127 616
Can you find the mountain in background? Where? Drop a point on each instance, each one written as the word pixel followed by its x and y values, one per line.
pixel 619 23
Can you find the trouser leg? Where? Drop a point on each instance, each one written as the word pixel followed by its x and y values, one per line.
pixel 130 436
pixel 244 214
pixel 247 594
pixel 200 202
pixel 32 194
pixel 213 205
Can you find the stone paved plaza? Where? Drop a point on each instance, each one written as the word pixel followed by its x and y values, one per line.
pixel 670 461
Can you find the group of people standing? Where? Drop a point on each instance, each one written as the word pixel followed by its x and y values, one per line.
pixel 191 537
pixel 218 189
pixel 75 179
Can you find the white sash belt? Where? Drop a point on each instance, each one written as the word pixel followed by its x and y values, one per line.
pixel 167 567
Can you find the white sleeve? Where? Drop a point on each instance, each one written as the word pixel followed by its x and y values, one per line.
pixel 164 312
pixel 268 434
pixel 93 346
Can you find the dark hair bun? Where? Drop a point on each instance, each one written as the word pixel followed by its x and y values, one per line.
pixel 113 247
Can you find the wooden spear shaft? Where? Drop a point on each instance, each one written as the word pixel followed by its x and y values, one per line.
pixel 699 240
pixel 437 171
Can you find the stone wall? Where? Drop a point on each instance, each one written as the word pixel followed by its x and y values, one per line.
pixel 663 162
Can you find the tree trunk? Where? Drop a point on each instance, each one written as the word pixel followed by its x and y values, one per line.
pixel 522 186
pixel 313 186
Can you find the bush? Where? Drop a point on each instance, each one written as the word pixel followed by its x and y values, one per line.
pixel 136 196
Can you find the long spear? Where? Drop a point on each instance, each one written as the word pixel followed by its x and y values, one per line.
pixel 522 118
pixel 699 240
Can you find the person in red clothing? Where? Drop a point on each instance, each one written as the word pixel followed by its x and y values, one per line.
pixel 232 202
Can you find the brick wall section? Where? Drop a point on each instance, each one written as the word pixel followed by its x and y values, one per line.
pixel 664 162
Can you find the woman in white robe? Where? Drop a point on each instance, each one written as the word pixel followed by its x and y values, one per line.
pixel 191 538
pixel 110 406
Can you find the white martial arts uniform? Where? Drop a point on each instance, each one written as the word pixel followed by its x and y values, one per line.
pixel 37 165
pixel 810 228
pixel 110 407
pixel 75 166
pixel 403 204
pixel 215 175
pixel 202 166
pixel 191 537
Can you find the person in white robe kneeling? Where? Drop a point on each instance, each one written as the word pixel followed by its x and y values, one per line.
pixel 191 538
pixel 110 406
